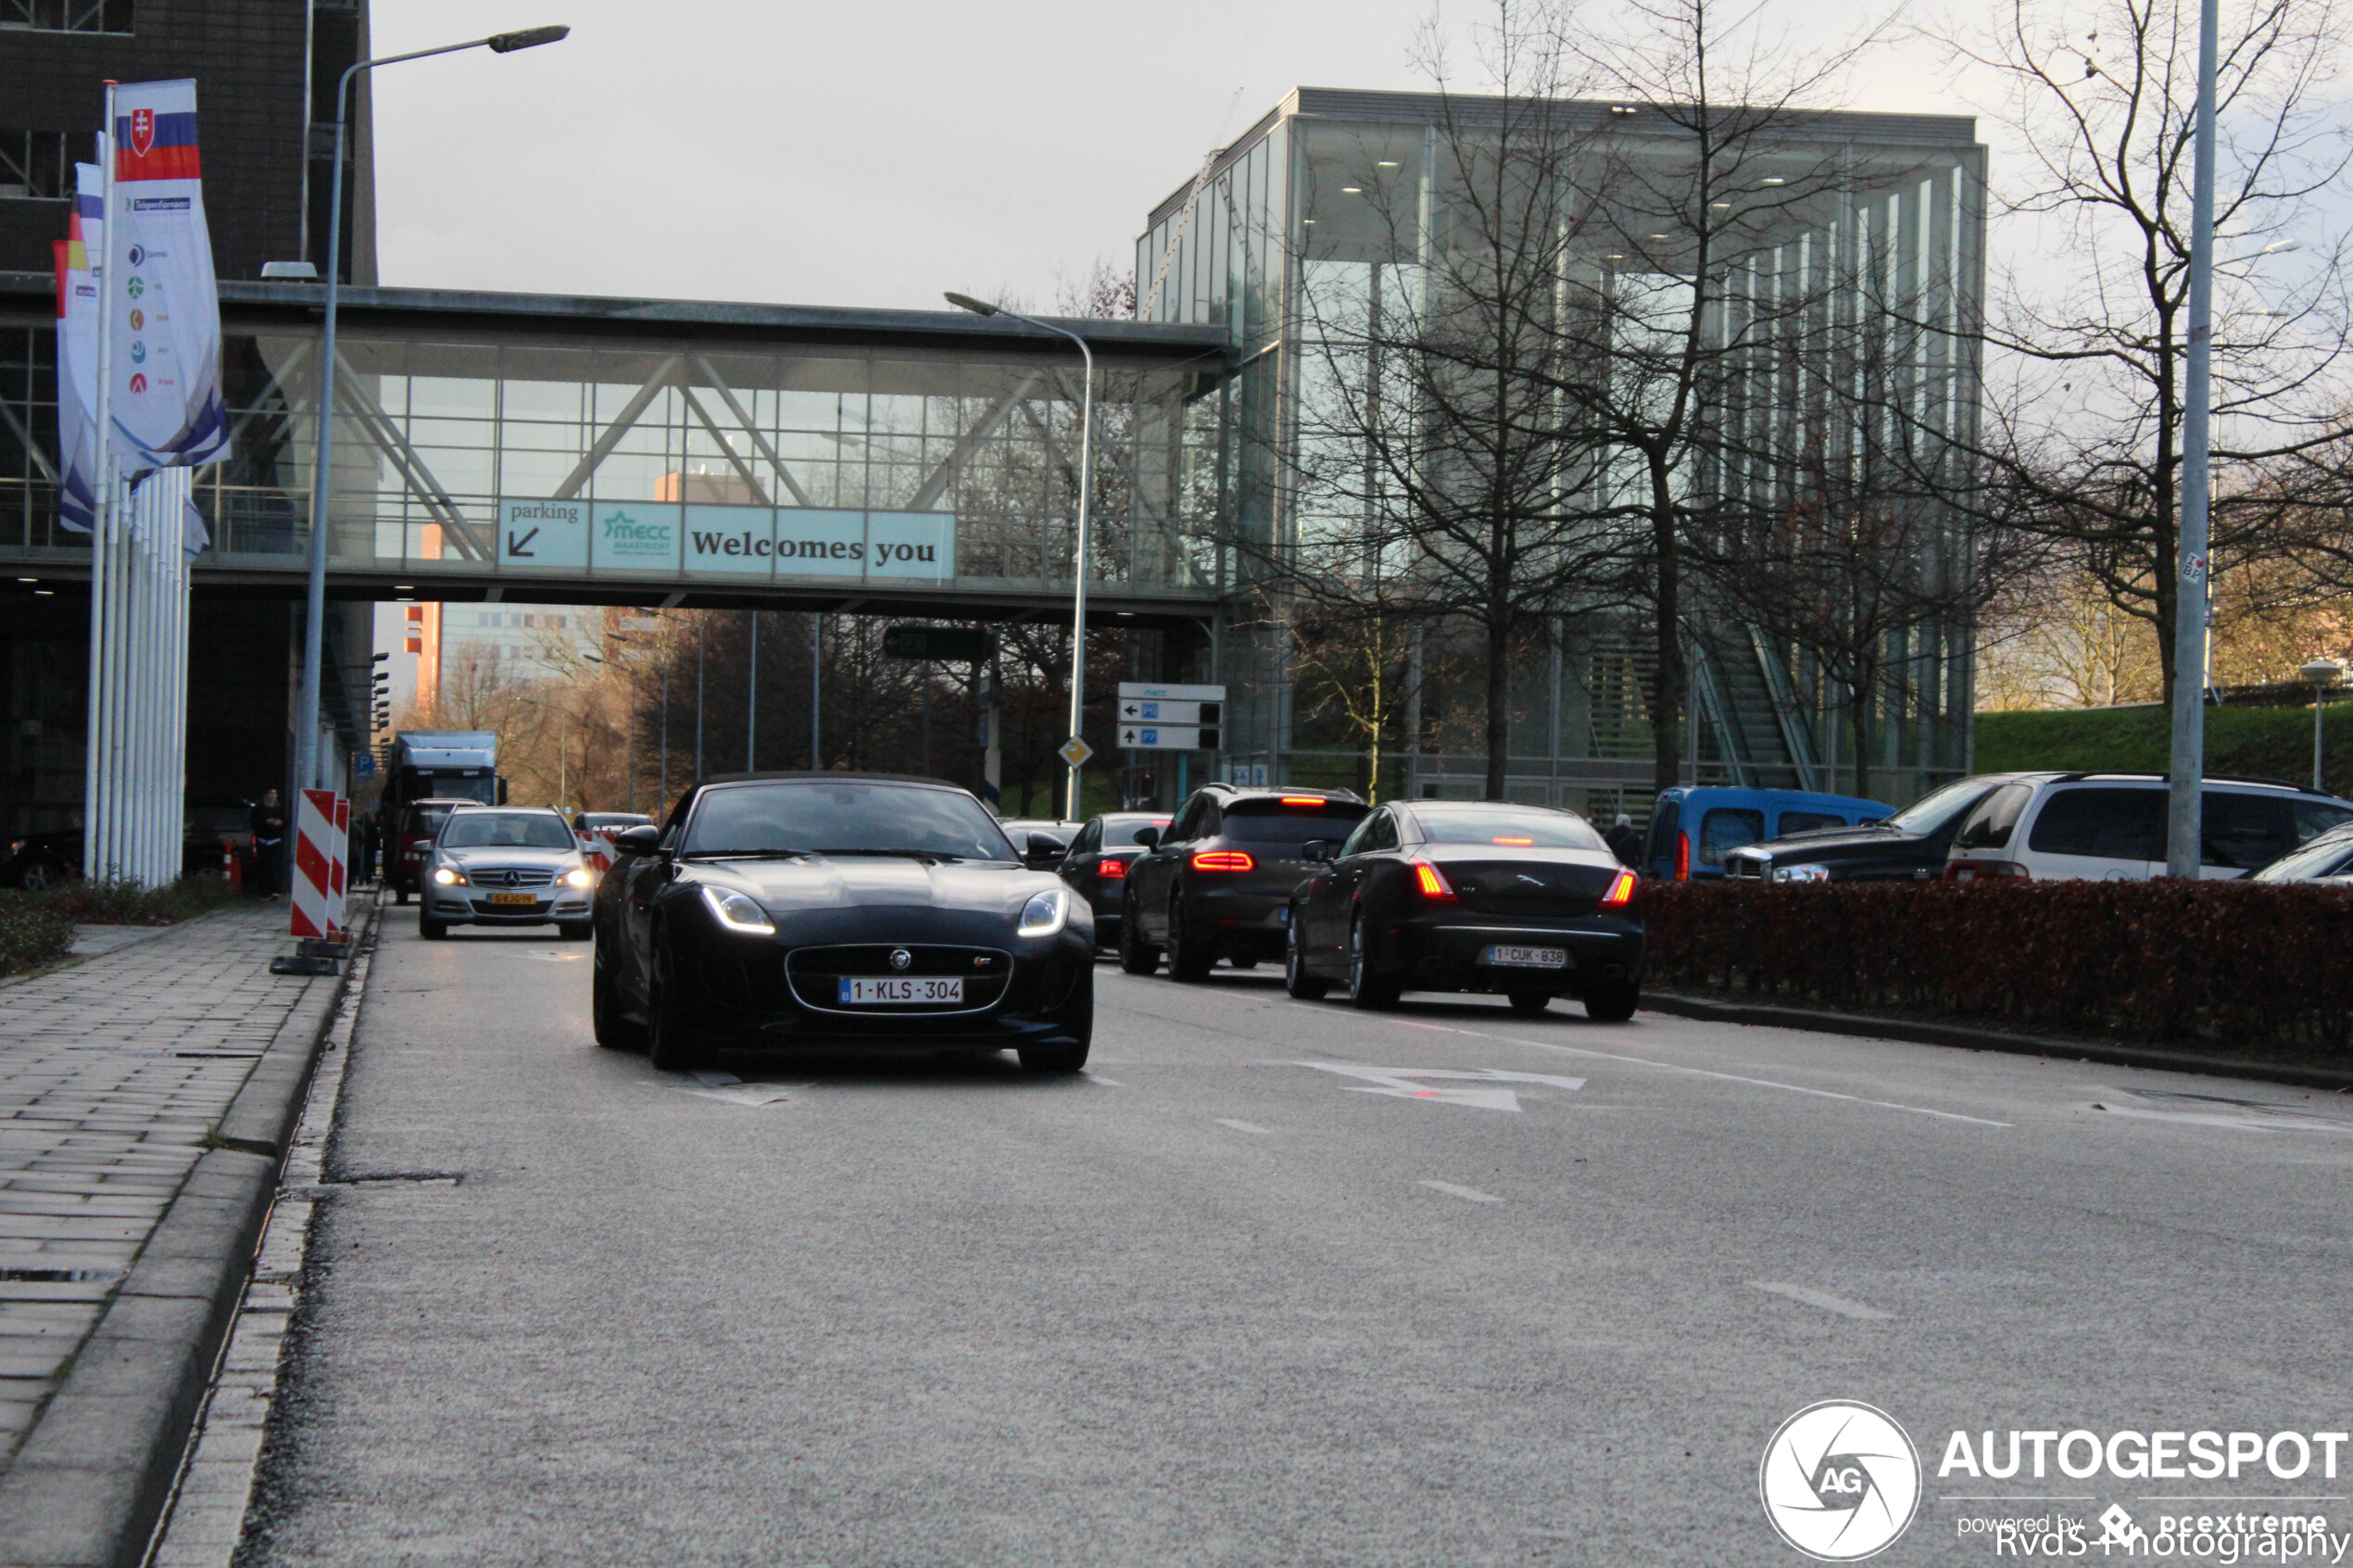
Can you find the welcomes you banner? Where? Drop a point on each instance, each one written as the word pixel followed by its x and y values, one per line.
pixel 633 538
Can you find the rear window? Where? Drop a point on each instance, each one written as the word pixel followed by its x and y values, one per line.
pixel 1277 826
pixel 1538 829
pixel 1807 821
pixel 1120 835
pixel 2244 830
pixel 2109 825
pixel 2316 817
pixel 1727 828
pixel 425 819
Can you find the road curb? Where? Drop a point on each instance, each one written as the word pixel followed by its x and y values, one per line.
pixel 1964 1038
pixel 95 1473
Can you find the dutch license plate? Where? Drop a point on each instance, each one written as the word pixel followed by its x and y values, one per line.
pixel 901 989
pixel 526 898
pixel 1526 958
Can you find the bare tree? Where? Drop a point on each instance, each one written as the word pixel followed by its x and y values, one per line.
pixel 2091 328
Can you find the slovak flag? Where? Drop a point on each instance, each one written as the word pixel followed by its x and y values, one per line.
pixel 164 329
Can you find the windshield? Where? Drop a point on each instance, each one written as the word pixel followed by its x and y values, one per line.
pixel 1924 816
pixel 1527 829
pixel 1118 835
pixel 2320 857
pixel 1278 830
pixel 844 818
pixel 505 830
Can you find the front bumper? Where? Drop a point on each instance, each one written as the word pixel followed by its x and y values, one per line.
pixel 451 908
pixel 772 992
pixel 1443 953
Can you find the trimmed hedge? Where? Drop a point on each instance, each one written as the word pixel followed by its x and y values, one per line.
pixel 2220 963
pixel 32 932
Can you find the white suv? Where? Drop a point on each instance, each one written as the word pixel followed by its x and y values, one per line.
pixel 2057 827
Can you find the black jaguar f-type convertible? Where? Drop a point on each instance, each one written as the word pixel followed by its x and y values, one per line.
pixel 780 910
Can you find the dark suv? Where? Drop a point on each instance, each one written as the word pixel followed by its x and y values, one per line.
pixel 1217 883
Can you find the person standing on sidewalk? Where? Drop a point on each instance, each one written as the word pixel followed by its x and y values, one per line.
pixel 268 822
pixel 1624 842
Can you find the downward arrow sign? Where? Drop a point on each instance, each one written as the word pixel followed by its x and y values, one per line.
pixel 515 545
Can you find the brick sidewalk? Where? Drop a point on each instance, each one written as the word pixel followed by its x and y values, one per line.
pixel 111 1076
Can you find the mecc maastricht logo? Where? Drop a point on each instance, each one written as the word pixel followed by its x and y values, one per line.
pixel 1840 1481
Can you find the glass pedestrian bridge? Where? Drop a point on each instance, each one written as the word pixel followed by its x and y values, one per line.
pixel 594 450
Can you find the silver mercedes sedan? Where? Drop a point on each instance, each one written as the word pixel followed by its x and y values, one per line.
pixel 494 865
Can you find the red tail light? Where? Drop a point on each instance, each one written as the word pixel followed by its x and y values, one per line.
pixel 1621 891
pixel 1431 881
pixel 1987 871
pixel 1223 861
pixel 1111 868
pixel 1682 856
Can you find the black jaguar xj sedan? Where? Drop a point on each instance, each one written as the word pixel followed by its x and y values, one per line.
pixel 790 911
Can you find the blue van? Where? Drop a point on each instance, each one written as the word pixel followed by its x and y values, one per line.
pixel 1694 828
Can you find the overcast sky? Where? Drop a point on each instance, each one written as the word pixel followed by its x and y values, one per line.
pixel 865 154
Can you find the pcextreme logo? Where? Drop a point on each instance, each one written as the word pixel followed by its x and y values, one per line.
pixel 1840 1481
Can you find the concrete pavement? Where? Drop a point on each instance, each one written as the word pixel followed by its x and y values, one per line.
pixel 1274 1282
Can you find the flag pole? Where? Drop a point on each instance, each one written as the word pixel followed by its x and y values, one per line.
pixel 98 708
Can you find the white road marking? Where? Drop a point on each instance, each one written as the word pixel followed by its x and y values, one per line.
pixel 744 1094
pixel 1098 1078
pixel 1470 1194
pixel 710 1078
pixel 1823 1299
pixel 1407 1082
pixel 557 957
pixel 1240 1127
pixel 1707 1072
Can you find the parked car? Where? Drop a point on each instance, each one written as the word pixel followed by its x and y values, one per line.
pixel 802 910
pixel 405 857
pixel 1218 886
pixel 1907 847
pixel 212 831
pixel 1468 896
pixel 49 858
pixel 501 865
pixel 2328 856
pixel 2057 827
pixel 1694 828
pixel 1097 861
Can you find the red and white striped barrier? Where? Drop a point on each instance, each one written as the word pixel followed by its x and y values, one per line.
pixel 342 851
pixel 318 868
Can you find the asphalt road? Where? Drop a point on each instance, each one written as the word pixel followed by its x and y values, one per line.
pixel 1221 1301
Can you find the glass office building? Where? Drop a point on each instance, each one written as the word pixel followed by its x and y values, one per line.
pixel 1844 248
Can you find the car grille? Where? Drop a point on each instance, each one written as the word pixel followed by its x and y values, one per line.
pixel 1743 866
pixel 517 876
pixel 814 974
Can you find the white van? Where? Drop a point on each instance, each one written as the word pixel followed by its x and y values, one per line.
pixel 2057 827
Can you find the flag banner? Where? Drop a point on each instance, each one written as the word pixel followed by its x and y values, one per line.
pixel 165 378
pixel 77 351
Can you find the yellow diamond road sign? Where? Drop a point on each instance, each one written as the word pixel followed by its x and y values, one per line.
pixel 1076 752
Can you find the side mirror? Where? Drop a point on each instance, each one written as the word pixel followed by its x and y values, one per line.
pixel 1147 836
pixel 1044 849
pixel 1319 850
pixel 643 839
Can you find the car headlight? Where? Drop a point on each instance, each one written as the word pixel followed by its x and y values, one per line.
pixel 737 911
pixel 578 877
pixel 447 877
pixel 1046 912
pixel 1801 874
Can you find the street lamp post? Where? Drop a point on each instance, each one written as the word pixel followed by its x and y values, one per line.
pixel 306 774
pixel 1086 487
pixel 2189 762
pixel 2323 673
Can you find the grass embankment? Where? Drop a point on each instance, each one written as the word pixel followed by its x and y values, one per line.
pixel 37 928
pixel 2258 742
